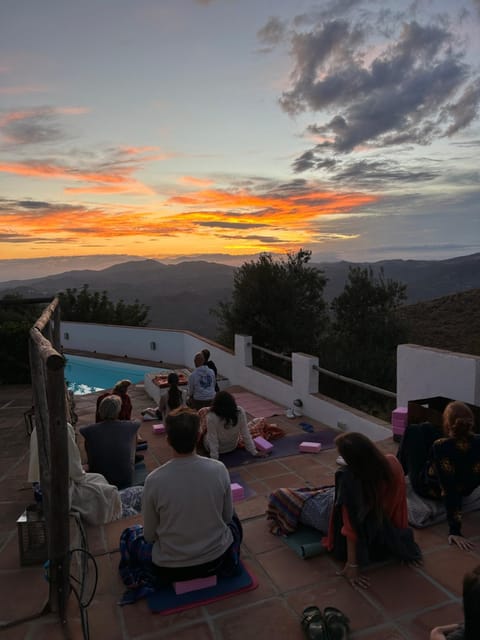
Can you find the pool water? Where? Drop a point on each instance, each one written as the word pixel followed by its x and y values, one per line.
pixel 88 375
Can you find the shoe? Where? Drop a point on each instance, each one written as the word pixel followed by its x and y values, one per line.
pixel 338 625
pixel 341 461
pixel 306 427
pixel 290 413
pixel 313 624
pixel 141 445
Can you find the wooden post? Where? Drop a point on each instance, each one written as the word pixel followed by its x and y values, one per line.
pixel 49 393
pixel 37 369
pixel 56 328
pixel 59 539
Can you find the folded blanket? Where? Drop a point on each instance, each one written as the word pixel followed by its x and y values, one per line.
pixel 423 512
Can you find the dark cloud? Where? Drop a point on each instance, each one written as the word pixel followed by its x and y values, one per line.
pixel 36 126
pixel 36 208
pixel 230 225
pixel 371 173
pixel 33 204
pixel 264 239
pixel 272 33
pixel 412 89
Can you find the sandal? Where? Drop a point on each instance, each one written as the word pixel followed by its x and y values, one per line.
pixel 313 624
pixel 337 623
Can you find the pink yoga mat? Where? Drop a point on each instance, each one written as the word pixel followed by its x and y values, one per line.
pixel 256 406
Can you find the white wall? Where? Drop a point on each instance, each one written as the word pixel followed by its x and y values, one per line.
pixel 424 372
pixel 179 347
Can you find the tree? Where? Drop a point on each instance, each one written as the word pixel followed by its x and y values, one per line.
pixel 279 302
pixel 366 329
pixel 87 306
pixel 15 323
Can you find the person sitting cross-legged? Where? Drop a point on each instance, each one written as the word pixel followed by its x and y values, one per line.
pixel 110 444
pixel 188 510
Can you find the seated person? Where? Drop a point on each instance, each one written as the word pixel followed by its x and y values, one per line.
pixel 97 501
pixel 444 466
pixel 201 384
pixel 364 516
pixel 120 389
pixel 188 511
pixel 470 629
pixel 226 423
pixel 110 444
pixel 173 399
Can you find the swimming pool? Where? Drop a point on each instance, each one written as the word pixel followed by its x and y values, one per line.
pixel 88 375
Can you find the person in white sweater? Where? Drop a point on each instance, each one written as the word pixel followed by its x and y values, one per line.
pixel 187 509
pixel 225 424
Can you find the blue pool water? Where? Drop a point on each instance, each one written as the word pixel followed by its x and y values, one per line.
pixel 88 375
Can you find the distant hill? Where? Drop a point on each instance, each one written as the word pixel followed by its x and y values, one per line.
pixel 451 322
pixel 425 279
pixel 181 295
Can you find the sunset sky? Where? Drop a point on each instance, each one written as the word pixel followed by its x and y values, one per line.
pixel 209 128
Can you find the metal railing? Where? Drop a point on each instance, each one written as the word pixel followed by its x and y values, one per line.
pixel 271 353
pixel 357 383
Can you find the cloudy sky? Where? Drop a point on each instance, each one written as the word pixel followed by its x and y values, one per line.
pixel 167 128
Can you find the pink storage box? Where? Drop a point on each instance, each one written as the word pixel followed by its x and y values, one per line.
pixel 400 416
pixel 238 492
pixel 262 444
pixel 158 428
pixel 310 447
pixel 194 585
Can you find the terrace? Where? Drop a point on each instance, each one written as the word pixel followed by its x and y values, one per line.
pixel 402 602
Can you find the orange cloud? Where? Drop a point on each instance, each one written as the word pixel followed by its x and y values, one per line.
pixel 197 182
pixel 235 221
pixel 121 179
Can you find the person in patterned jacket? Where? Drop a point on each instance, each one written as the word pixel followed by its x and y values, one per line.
pixel 444 466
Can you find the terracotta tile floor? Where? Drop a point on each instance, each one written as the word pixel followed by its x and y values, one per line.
pixel 402 603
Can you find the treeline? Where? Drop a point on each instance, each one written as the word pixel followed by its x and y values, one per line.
pixel 280 304
pixel 17 317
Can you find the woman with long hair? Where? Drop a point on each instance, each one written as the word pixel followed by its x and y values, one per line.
pixel 173 399
pixel 444 464
pixel 226 423
pixel 364 516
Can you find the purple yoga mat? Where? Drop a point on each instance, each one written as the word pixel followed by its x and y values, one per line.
pixel 283 447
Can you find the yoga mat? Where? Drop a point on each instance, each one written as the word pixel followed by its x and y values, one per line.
pixel 165 601
pixel 236 477
pixel 283 447
pixel 306 542
pixel 256 406
pixel 139 474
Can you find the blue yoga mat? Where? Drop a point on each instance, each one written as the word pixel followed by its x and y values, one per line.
pixel 165 601
pixel 283 447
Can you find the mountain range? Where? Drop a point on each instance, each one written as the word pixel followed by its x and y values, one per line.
pixel 181 295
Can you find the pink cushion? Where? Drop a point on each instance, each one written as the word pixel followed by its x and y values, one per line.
pixel 310 447
pixel 194 585
pixel 238 492
pixel 262 444
pixel 158 428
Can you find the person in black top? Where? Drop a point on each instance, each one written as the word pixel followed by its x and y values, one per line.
pixel 110 444
pixel 444 466
pixel 211 365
